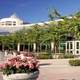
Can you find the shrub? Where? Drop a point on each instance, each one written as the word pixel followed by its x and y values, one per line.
pixel 62 56
pixel 68 56
pixel 44 55
pixel 75 62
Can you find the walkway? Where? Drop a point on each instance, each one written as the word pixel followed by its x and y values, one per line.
pixel 58 69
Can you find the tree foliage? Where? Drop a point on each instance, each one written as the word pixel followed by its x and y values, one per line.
pixel 68 29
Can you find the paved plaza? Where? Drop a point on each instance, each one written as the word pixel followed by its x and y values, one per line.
pixel 58 69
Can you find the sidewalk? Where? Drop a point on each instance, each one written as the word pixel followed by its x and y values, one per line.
pixel 58 69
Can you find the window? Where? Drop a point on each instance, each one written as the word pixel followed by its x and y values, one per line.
pixel 14 23
pixel 70 45
pixel 67 51
pixel 77 52
pixel 77 45
pixel 71 51
pixel 2 23
pixel 8 23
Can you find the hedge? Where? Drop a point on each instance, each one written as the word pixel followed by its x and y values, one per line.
pixel 75 62
pixel 44 55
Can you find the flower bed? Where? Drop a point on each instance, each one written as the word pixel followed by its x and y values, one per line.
pixel 22 63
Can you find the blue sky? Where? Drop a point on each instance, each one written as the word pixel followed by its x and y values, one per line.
pixel 37 10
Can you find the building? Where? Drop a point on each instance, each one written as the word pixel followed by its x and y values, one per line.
pixel 12 24
pixel 11 21
pixel 73 47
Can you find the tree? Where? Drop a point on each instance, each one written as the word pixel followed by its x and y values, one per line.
pixel 33 35
pixel 53 14
pixel 19 37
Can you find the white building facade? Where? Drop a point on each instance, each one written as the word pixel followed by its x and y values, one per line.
pixel 11 21
pixel 73 47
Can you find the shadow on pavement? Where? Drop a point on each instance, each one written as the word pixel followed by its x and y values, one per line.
pixel 44 64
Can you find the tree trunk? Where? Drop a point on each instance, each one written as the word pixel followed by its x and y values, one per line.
pixel 34 47
pixel 2 47
pixel 56 48
pixel 52 46
pixel 18 47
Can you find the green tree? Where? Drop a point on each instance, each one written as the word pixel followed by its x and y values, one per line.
pixel 53 14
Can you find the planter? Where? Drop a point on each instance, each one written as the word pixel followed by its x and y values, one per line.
pixel 22 76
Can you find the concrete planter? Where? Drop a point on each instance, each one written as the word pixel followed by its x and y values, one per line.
pixel 22 76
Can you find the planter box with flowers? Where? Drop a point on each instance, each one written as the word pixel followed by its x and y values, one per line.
pixel 21 67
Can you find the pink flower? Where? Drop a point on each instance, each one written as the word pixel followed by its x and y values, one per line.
pixel 27 61
pixel 1 66
pixel 4 65
pixel 31 66
pixel 17 64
